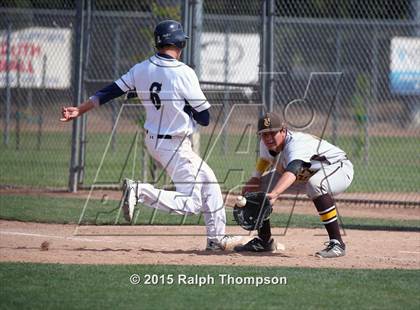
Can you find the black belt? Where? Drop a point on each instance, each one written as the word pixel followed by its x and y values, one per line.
pixel 161 136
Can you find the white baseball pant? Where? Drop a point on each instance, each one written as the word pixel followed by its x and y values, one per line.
pixel 331 179
pixel 197 189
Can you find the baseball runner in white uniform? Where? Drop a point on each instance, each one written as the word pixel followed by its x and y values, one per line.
pixel 303 163
pixel 174 104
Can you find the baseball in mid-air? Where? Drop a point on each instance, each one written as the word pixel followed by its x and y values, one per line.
pixel 240 201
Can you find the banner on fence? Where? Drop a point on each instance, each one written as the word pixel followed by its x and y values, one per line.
pixel 230 57
pixel 39 57
pixel 405 66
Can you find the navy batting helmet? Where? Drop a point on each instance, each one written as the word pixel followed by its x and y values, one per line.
pixel 169 32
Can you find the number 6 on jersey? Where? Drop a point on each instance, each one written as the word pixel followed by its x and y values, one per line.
pixel 155 89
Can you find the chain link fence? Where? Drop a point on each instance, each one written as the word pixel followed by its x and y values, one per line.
pixel 346 73
pixel 345 64
pixel 35 80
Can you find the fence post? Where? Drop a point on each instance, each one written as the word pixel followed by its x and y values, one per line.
pixel 77 94
pixel 41 107
pixel 263 47
pixel 226 96
pixel 197 29
pixel 17 113
pixel 373 96
pixel 187 29
pixel 196 25
pixel 270 55
pixel 336 104
pixel 267 54
pixel 116 55
pixel 84 118
pixel 8 88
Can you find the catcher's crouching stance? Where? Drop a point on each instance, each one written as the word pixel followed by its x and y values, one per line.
pixel 302 163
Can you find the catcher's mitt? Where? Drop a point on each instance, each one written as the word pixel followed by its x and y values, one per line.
pixel 257 209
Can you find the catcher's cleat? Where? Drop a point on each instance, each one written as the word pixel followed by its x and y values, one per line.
pixel 257 245
pixel 227 243
pixel 130 199
pixel 334 249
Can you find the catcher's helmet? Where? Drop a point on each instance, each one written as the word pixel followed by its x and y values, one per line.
pixel 170 32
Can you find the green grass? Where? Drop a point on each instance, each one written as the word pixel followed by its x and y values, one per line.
pixel 393 161
pixel 49 286
pixel 68 210
pixel 29 166
pixel 393 164
pixel 49 166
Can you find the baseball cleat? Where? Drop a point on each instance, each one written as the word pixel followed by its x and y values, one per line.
pixel 227 243
pixel 130 199
pixel 333 249
pixel 214 246
pixel 257 245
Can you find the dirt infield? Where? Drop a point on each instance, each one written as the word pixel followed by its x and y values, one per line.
pixel 69 244
pixel 184 245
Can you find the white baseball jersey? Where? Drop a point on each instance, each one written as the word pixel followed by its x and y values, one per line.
pixel 329 170
pixel 165 86
pixel 305 147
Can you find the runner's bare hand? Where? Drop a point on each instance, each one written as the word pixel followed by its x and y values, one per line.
pixel 69 113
